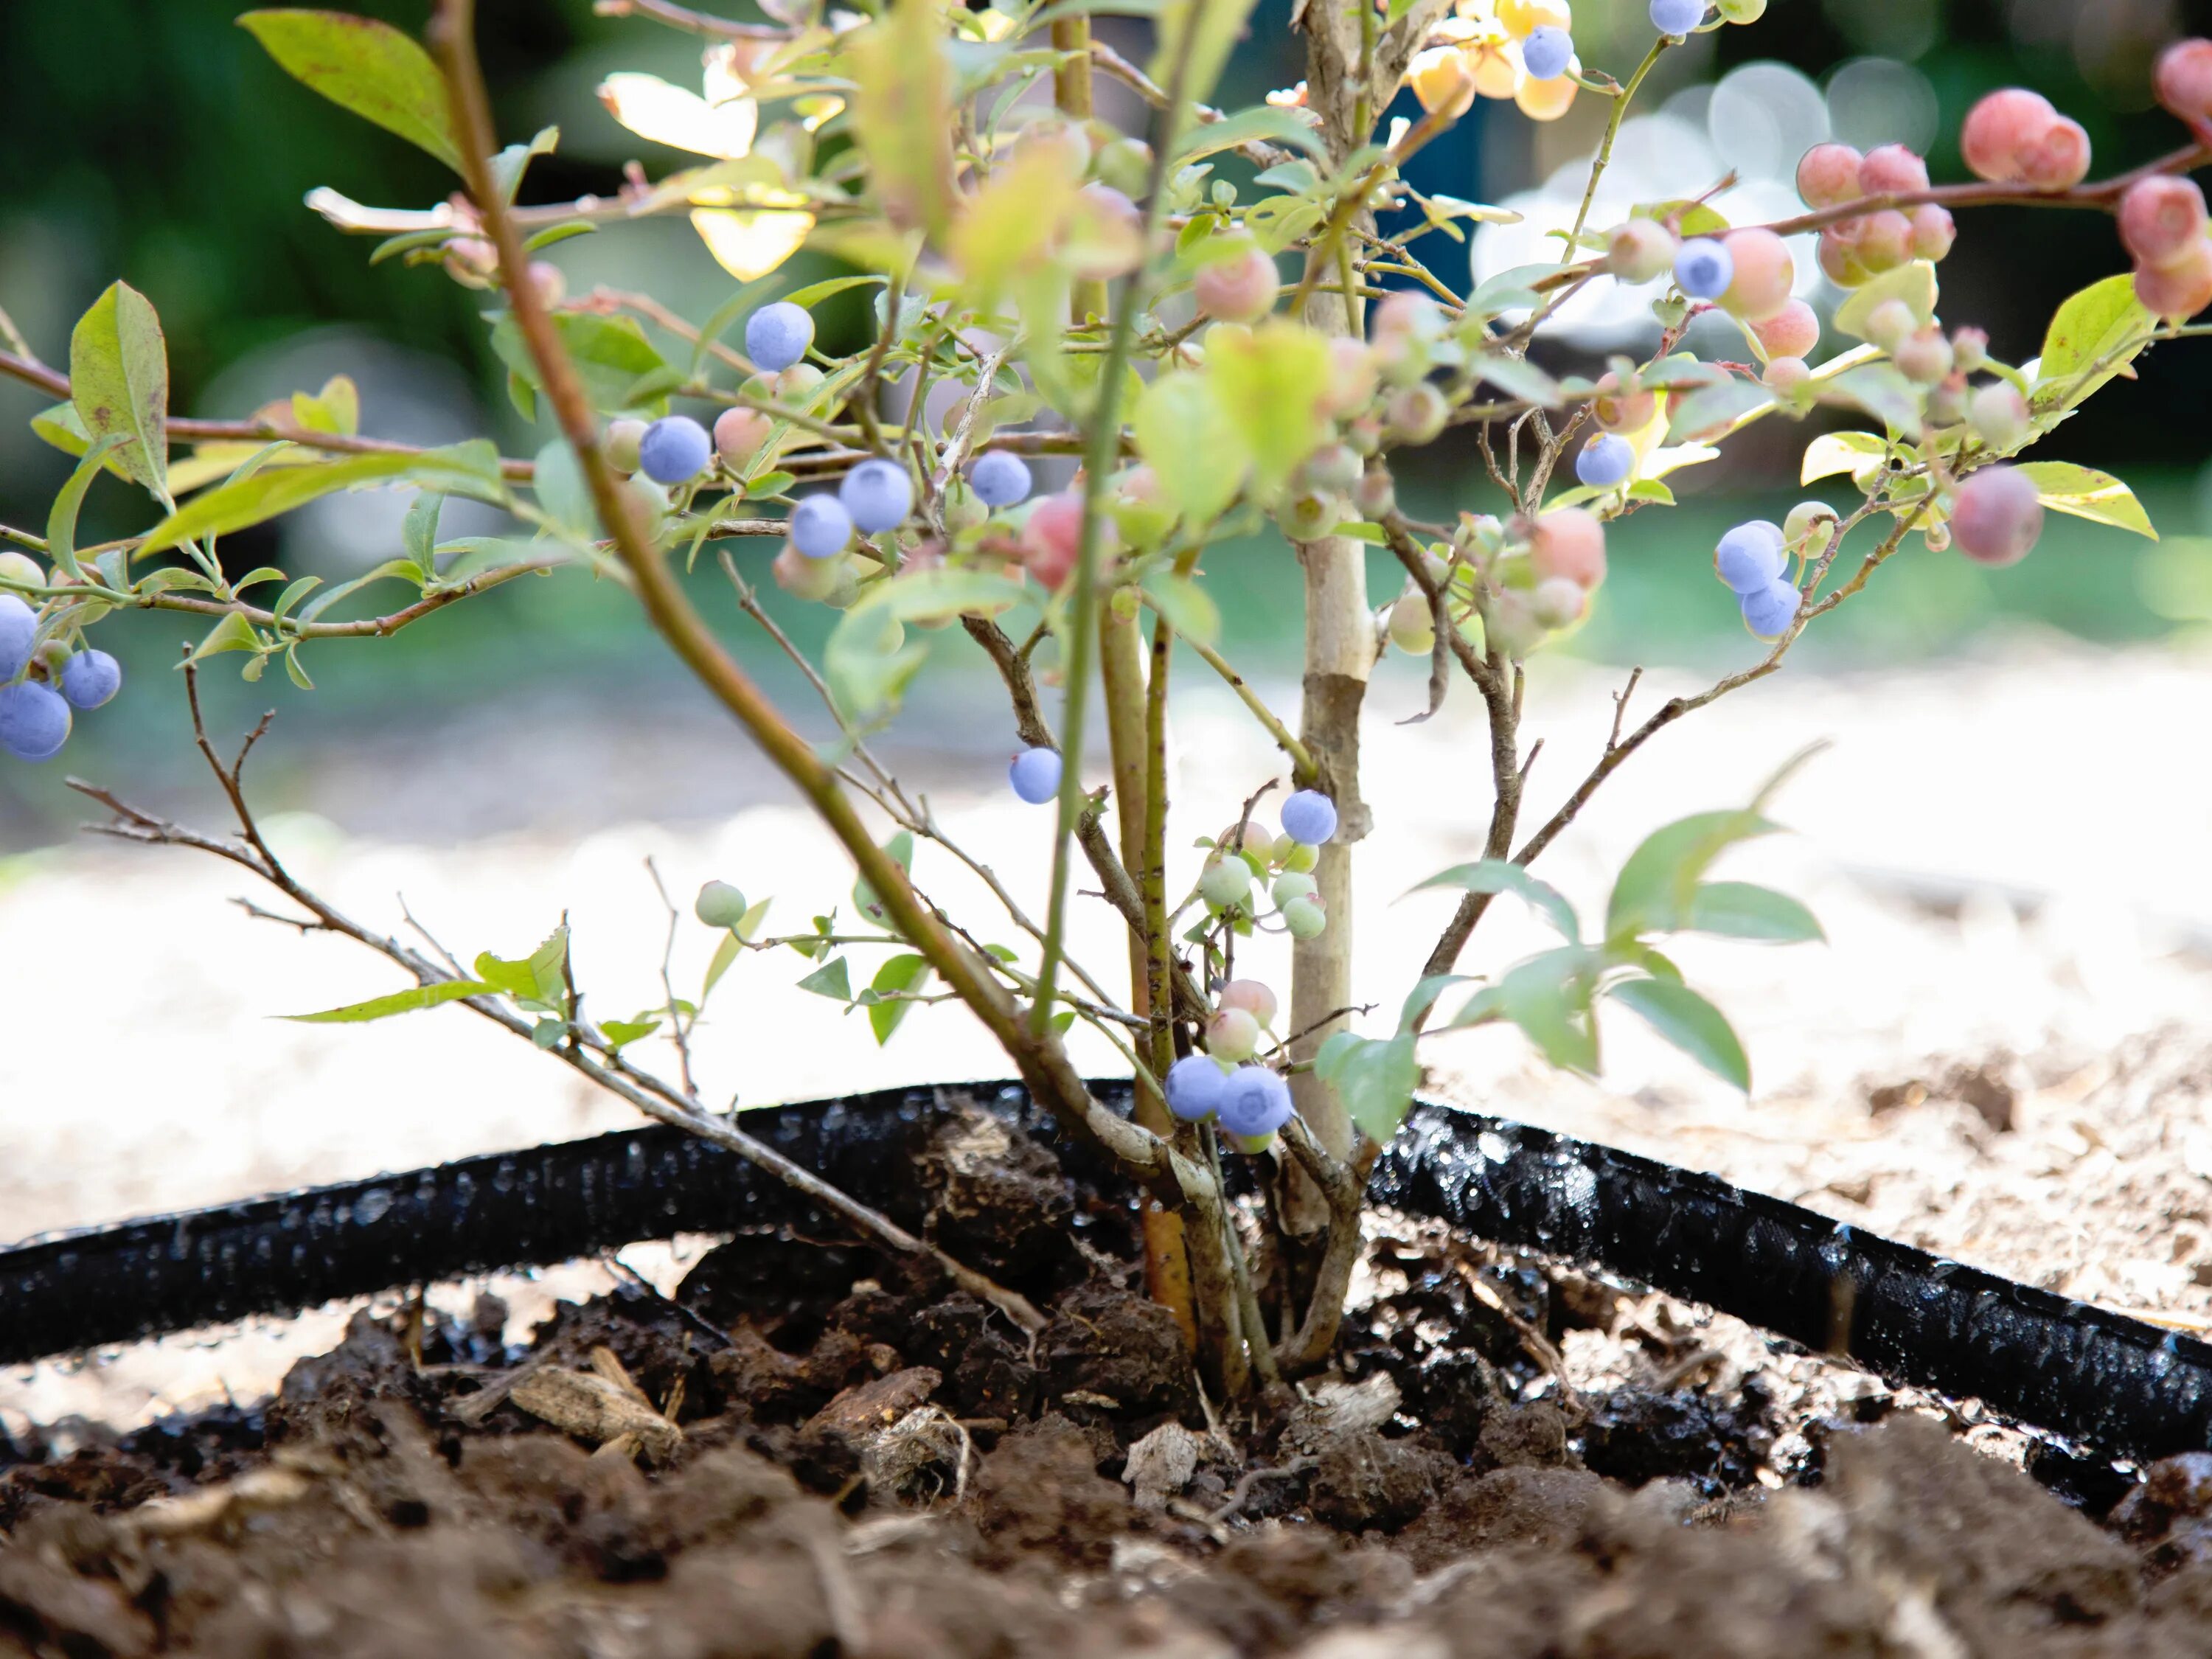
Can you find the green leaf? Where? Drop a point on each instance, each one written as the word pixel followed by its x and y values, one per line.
pixel 539 979
pixel 1373 1079
pixel 619 368
pixel 402 568
pixel 419 531
pixel 1738 910
pixel 1859 453
pixel 1263 121
pixel 902 973
pixel 511 163
pixel 1189 608
pixel 903 114
pixel 233 632
pixel 1548 998
pixel 557 479
pixel 365 66
pixel 1269 383
pixel 1510 290
pixel 399 1002
pixel 60 521
pixel 1499 875
pixel 1656 887
pixel 1422 997
pixel 725 953
pixel 2104 324
pixel 1516 377
pixel 119 381
pixel 1184 434
pixel 468 469
pixel 1914 284
pixel 1690 1023
pixel 831 980
pixel 1882 391
pixel 1712 411
pixel 621 1033
pixel 2086 493
pixel 869 659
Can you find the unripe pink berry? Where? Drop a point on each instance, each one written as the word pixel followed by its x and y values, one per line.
pixel 1640 250
pixel 1569 543
pixel 1558 602
pixel 1786 374
pixel 1254 998
pixel 1999 414
pixel 1999 128
pixel 1947 403
pixel 1934 232
pixel 1926 357
pixel 807 578
pixel 2058 160
pixel 1828 175
pixel 1891 323
pixel 1351 378
pixel 1885 240
pixel 1764 274
pixel 1232 1034
pixel 1840 254
pixel 2182 289
pixel 551 284
pixel 1051 539
pixel 1417 414
pixel 2185 79
pixel 1892 170
pixel 1509 624
pixel 1239 289
pixel 1792 332
pixel 1617 411
pixel 1402 312
pixel 739 435
pixel 1997 518
pixel 473 261
pixel 1970 349
pixel 2160 218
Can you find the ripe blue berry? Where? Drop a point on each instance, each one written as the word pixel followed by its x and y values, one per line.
pixel 1677 16
pixel 999 479
pixel 820 526
pixel 1035 775
pixel 1195 1085
pixel 35 720
pixel 1310 818
pixel 1750 558
pixel 19 630
pixel 777 335
pixel 90 678
pixel 1545 53
pixel 878 494
pixel 1703 270
pixel 675 450
pixel 1254 1100
pixel 1771 610
pixel 1606 460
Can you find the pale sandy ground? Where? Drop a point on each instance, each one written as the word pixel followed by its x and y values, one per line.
pixel 2050 801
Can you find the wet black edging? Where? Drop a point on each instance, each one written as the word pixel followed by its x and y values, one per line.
pixel 2110 1382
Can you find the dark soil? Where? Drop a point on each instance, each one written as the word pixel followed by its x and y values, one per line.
pixel 814 1451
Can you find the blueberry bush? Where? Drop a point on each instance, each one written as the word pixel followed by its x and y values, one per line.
pixel 1208 326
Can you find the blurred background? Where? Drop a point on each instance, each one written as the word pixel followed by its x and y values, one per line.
pixel 2006 840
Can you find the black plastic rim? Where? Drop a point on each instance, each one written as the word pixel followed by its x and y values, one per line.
pixel 2109 1383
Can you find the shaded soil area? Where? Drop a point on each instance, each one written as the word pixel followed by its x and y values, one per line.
pixel 811 1450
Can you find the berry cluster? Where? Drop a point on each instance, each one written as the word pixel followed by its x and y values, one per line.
pixel 2162 225
pixel 2014 136
pixel 1236 863
pixel 1505 585
pixel 1853 251
pixel 1523 49
pixel 1752 561
pixel 1249 1101
pixel 43 683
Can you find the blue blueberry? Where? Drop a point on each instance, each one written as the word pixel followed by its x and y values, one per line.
pixel 35 720
pixel 90 678
pixel 820 526
pixel 1704 268
pixel 1310 818
pixel 877 494
pixel 999 479
pixel 19 631
pixel 1606 460
pixel 1035 776
pixel 1750 559
pixel 1254 1100
pixel 675 450
pixel 777 335
pixel 1771 610
pixel 1547 52
pixel 1677 16
pixel 1195 1085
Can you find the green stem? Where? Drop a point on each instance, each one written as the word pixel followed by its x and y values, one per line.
pixel 1605 149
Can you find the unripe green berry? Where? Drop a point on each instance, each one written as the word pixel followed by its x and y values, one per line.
pixel 1742 11
pixel 1999 415
pixel 1296 856
pixel 1891 323
pixel 1126 164
pixel 1292 885
pixel 1232 1034
pixel 1375 496
pixel 1926 357
pixel 1309 516
pixel 1363 436
pixel 1333 469
pixel 1416 414
pixel 1809 528
pixel 962 510
pixel 795 384
pixel 1305 918
pixel 621 441
pixel 1224 881
pixel 1413 625
pixel 719 905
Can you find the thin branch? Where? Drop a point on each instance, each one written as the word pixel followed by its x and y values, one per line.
pixel 1301 757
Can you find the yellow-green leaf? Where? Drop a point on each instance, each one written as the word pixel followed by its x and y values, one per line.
pixel 903 114
pixel 61 522
pixel 2086 493
pixel 366 66
pixel 1913 283
pixel 2104 323
pixel 471 469
pixel 1186 437
pixel 1269 381
pixel 399 1002
pixel 1841 451
pixel 119 380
